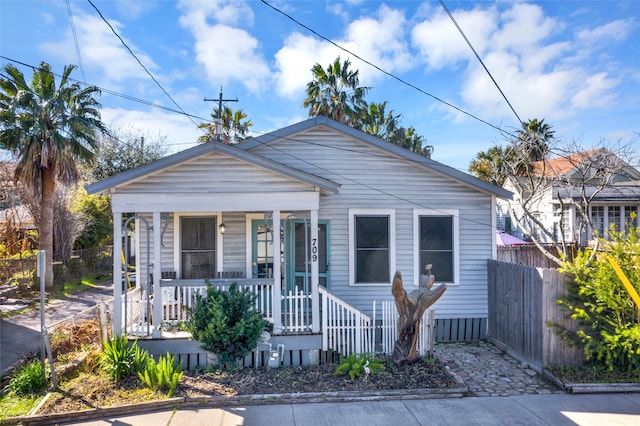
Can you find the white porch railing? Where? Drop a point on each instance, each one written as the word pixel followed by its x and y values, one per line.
pixel 296 312
pixel 345 329
pixel 133 312
pixel 389 328
pixel 178 296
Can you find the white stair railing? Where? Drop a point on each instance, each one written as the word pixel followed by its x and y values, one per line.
pixel 345 329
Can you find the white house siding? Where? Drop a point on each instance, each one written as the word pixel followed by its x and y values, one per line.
pixel 542 206
pixel 374 178
pixel 213 173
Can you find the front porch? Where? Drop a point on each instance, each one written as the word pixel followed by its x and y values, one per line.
pixel 343 329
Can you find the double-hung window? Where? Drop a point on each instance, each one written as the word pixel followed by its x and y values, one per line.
pixel 198 247
pixel 371 246
pixel 437 243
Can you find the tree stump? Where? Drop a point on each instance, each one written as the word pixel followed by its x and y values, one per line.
pixel 410 309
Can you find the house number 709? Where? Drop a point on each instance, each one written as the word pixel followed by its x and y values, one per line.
pixel 314 250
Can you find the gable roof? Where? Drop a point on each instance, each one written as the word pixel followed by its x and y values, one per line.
pixel 203 149
pixel 289 131
pixel 242 151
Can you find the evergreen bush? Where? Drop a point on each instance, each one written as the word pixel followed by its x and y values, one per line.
pixel 226 323
pixel 597 299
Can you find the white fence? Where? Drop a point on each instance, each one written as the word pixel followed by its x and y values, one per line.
pixel 178 297
pixel 345 329
pixel 134 310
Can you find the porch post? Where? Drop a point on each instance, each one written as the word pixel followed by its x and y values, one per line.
pixel 315 295
pixel 277 275
pixel 117 273
pixel 157 270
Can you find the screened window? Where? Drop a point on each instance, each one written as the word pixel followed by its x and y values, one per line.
pixel 372 249
pixel 437 246
pixel 198 251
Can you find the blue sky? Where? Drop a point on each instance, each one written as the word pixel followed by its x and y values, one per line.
pixel 574 63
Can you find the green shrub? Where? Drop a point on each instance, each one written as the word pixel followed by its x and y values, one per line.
pixel 28 379
pixel 354 365
pixel 122 360
pixel 608 318
pixel 226 323
pixel 164 375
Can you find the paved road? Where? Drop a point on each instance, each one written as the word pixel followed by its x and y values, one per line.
pixel 556 410
pixel 20 334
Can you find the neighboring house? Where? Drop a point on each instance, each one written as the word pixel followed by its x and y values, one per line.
pixel 612 187
pixel 363 207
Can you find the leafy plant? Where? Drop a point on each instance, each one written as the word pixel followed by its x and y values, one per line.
pixel 354 365
pixel 226 323
pixel 164 374
pixel 122 360
pixel 609 319
pixel 28 380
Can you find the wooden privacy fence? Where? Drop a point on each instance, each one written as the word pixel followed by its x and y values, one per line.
pixel 522 308
pixel 531 255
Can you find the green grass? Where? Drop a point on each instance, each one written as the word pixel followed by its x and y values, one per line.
pixel 74 287
pixel 12 405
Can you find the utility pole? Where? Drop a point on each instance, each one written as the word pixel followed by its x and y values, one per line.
pixel 219 118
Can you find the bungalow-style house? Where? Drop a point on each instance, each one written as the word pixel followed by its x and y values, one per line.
pixel 315 219
pixel 562 184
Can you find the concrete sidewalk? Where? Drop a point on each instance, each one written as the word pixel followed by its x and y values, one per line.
pixel 556 409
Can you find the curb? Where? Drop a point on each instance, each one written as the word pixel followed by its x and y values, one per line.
pixel 221 401
pixel 584 388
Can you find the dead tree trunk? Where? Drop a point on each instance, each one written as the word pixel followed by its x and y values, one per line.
pixel 410 309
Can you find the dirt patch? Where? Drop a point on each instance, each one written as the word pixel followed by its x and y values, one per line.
pixel 87 387
pixel 321 378
pixel 94 390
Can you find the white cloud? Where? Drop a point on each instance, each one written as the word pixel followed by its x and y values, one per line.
pixel 381 41
pixel 229 12
pixel 540 76
pixel 378 39
pixel 226 52
pixel 594 92
pixel 180 132
pixel 101 50
pixel 617 31
pixel 440 42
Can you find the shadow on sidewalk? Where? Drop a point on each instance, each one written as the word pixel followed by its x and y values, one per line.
pixel 15 341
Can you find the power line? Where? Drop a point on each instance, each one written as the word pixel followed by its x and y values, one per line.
pixel 75 39
pixel 480 60
pixel 411 85
pixel 139 62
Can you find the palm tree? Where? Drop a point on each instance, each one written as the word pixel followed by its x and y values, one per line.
pixel 491 166
pixel 336 93
pixel 534 138
pixel 48 129
pixel 234 126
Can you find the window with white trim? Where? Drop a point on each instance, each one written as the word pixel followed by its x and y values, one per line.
pixel 371 246
pixel 437 243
